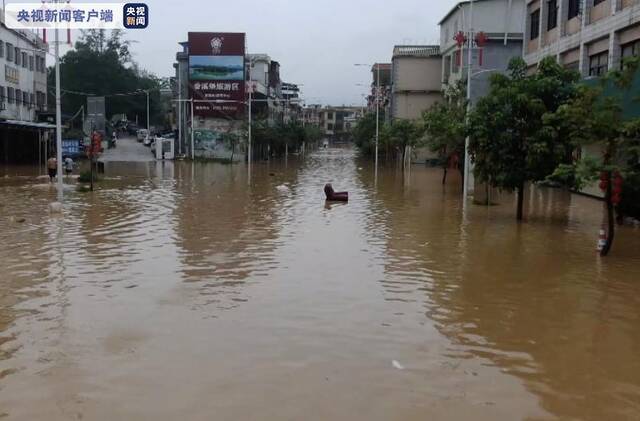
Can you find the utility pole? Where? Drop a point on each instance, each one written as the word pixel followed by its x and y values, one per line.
pixel 467 159
pixel 377 111
pixel 58 117
pixel 377 84
pixel 193 154
pixel 179 109
pixel 249 129
pixel 148 123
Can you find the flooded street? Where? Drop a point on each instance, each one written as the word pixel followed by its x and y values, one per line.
pixel 184 291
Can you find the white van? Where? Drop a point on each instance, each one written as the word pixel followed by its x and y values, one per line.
pixel 142 134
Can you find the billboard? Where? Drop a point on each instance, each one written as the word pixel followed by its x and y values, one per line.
pixel 216 73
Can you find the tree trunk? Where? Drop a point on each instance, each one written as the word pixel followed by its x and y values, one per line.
pixel 444 175
pixel 520 202
pixel 610 218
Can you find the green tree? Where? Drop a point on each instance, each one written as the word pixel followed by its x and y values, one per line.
pixel 101 65
pixel 364 134
pixel 401 135
pixel 592 118
pixel 445 127
pixel 509 144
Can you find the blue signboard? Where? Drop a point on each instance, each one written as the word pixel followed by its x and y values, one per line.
pixel 72 148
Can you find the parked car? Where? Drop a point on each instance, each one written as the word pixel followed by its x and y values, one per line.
pixel 148 140
pixel 132 129
pixel 142 134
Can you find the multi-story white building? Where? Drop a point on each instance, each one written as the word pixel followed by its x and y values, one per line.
pixel 23 93
pixel 501 21
pixel 590 36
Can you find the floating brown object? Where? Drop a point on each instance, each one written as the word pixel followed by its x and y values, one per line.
pixel 335 196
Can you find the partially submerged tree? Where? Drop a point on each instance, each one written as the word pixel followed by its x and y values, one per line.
pixel 508 144
pixel 364 134
pixel 401 135
pixel 445 127
pixel 596 120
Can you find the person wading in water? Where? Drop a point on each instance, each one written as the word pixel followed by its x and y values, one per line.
pixel 52 166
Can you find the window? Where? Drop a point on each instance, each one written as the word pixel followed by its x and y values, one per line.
pixel 329 126
pixel 1 49
pixel 17 55
pixel 575 66
pixel 552 16
pixel 535 24
pixel 10 95
pixel 2 94
pixel 9 51
pixel 31 100
pixel 329 117
pixel 574 8
pixel 18 96
pixel 24 59
pixel 631 49
pixel 30 62
pixel 25 99
pixel 40 99
pixel 598 64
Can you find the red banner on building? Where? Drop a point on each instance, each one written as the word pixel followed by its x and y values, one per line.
pixel 217 73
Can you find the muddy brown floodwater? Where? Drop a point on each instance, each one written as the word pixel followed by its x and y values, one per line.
pixel 181 291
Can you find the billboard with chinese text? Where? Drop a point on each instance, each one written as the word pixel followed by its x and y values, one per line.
pixel 216 73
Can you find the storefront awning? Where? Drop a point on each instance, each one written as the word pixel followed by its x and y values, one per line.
pixel 29 124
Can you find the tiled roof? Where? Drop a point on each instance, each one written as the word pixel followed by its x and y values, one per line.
pixel 416 50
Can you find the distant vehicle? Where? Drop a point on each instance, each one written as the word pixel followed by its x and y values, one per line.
pixel 148 140
pixel 132 129
pixel 142 134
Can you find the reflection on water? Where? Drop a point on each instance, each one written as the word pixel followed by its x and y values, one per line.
pixel 183 291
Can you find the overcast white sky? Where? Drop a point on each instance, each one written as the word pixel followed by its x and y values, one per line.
pixel 316 42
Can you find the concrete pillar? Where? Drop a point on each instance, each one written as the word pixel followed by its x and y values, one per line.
pixel 587 5
pixel 563 14
pixel 584 60
pixel 614 51
pixel 542 28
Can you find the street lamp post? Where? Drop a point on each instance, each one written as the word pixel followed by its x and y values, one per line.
pixel 467 160
pixel 148 123
pixel 58 117
pixel 377 65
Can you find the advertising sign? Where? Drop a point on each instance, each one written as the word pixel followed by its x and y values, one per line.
pixel 216 73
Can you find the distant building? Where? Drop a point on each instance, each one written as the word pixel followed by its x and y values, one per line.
pixel 261 75
pixel 416 80
pixel 385 87
pixel 337 122
pixel 311 115
pixel 23 98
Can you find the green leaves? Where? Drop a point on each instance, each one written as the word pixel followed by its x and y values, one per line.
pixel 510 143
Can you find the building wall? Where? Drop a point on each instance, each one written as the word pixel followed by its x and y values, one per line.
pixel 29 77
pixel 417 73
pixel 411 105
pixel 605 27
pixel 416 85
pixel 490 16
pixel 494 18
